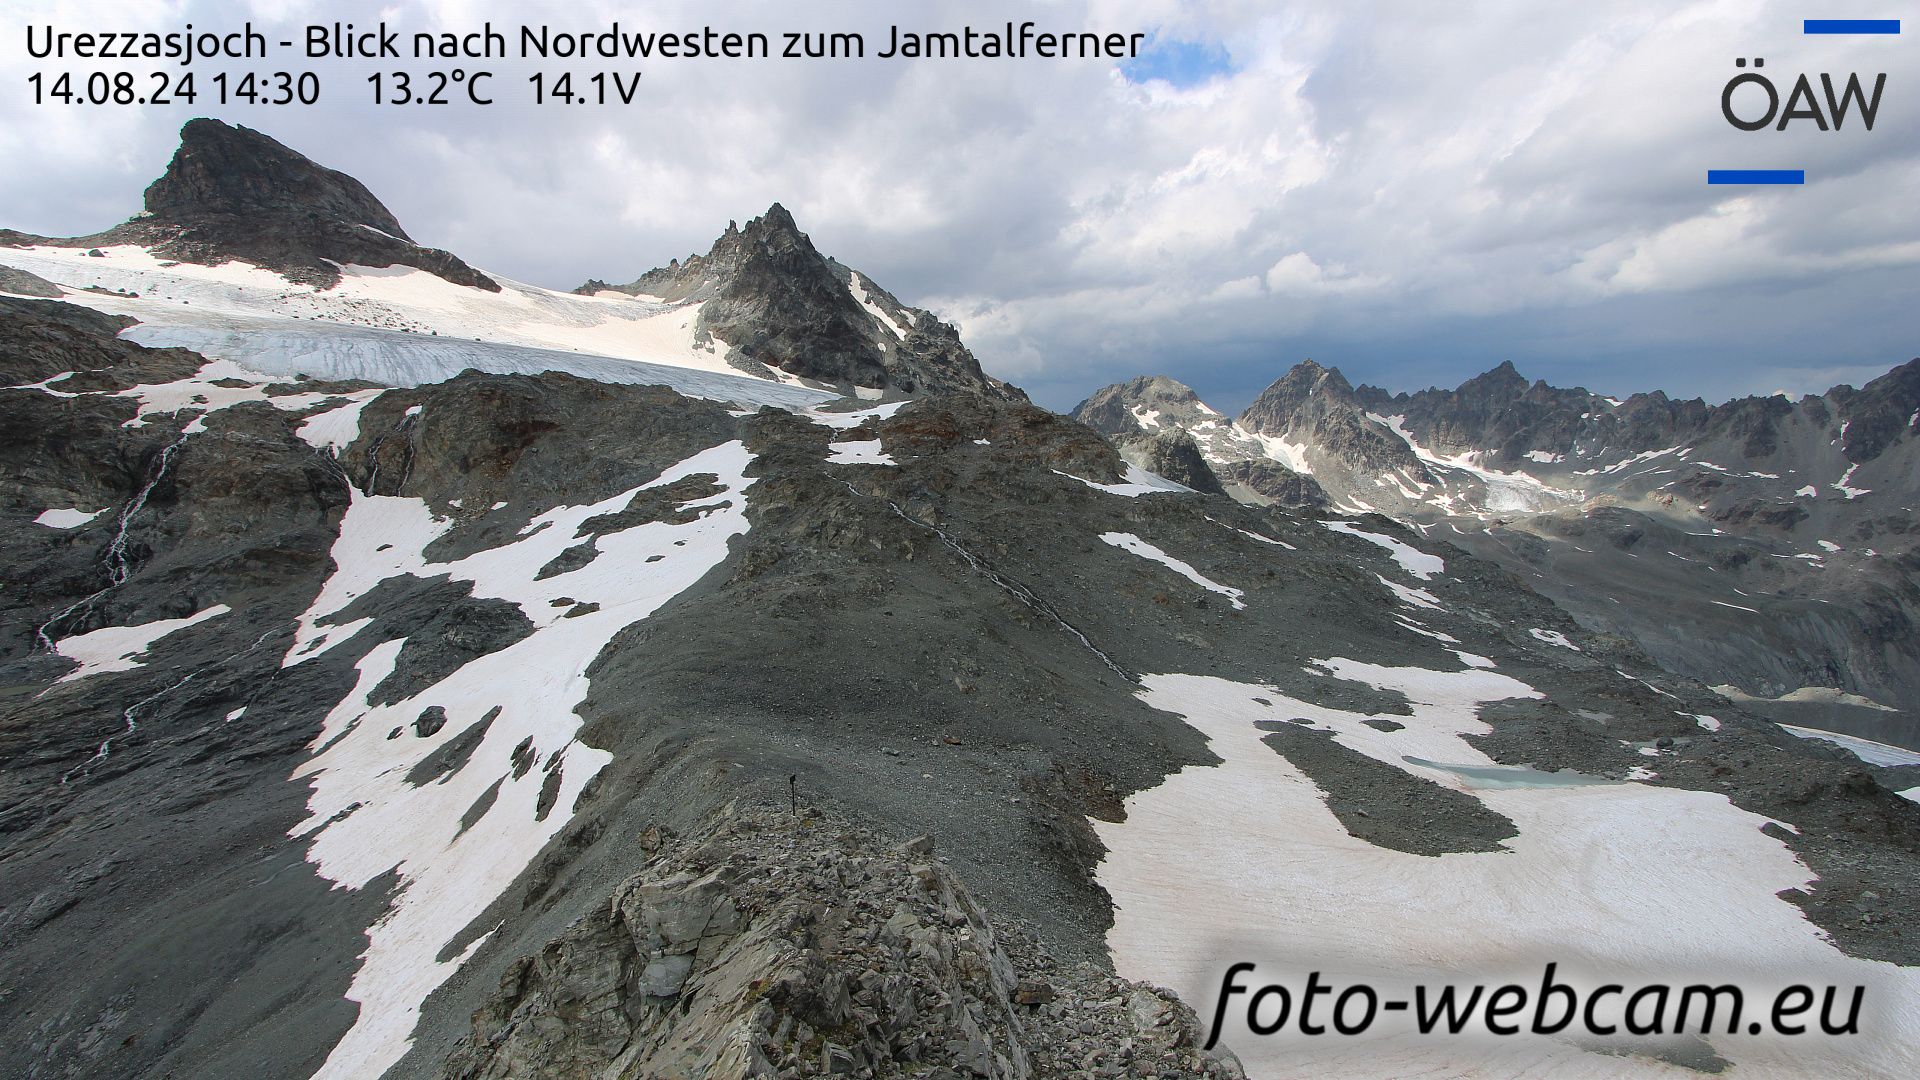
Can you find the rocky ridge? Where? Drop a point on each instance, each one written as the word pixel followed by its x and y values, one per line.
pixel 780 943
pixel 938 637
pixel 1152 418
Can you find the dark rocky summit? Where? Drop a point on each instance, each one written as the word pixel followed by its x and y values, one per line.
pixel 777 302
pixel 233 193
pixel 238 172
pixel 1317 406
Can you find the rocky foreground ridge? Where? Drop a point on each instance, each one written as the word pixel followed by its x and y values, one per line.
pixel 783 942
pixel 921 612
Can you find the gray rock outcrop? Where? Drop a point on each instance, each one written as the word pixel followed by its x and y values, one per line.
pixel 773 944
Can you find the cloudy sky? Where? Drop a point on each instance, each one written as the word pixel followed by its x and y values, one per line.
pixel 1410 191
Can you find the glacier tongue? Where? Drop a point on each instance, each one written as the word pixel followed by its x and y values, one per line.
pixel 390 358
pixel 399 326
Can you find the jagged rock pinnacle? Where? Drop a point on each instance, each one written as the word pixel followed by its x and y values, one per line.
pixel 778 303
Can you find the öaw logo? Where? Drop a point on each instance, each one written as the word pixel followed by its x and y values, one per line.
pixel 1753 101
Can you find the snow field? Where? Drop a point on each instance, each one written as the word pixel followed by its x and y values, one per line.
pixel 400 326
pixel 1613 881
pixel 1414 561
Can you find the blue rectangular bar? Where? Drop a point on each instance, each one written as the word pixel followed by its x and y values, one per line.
pixel 1851 26
pixel 1756 176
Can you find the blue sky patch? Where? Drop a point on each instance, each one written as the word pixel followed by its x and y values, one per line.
pixel 1179 63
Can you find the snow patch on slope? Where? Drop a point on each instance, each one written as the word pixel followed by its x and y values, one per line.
pixel 858 287
pixel 1842 486
pixel 456 842
pixel 1130 542
pixel 859 452
pixel 1506 492
pixel 1553 637
pixel 840 421
pixel 1291 454
pixel 1135 482
pixel 1411 559
pixel 119 648
pixel 217 384
pixel 1867 750
pixel 66 519
pixel 335 429
pixel 1419 598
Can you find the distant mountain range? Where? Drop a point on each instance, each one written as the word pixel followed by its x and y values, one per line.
pixel 1765 545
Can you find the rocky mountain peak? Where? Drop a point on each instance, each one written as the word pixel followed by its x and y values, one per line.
pixel 769 245
pixel 1501 382
pixel 1879 412
pixel 1309 378
pixel 777 223
pixel 778 303
pixel 228 170
pixel 1123 407
pixel 774 236
pixel 1307 390
pixel 1162 385
pixel 1316 405
pixel 232 194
